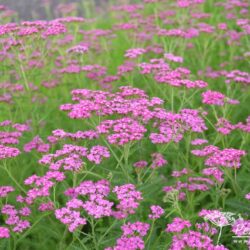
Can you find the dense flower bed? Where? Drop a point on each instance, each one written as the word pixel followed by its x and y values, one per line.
pixel 128 129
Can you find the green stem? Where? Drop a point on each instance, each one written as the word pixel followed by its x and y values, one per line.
pixel 13 179
pixel 150 233
pixel 93 233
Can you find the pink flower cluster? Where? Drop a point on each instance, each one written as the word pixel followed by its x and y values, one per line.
pixel 78 49
pixel 199 141
pixel 40 186
pixel 228 157
pixel 128 198
pixel 14 218
pixel 121 131
pixel 134 53
pixel 158 160
pixel 70 217
pixel 206 228
pixel 132 237
pixel 173 126
pixel 173 58
pixel 59 134
pixel 216 98
pixel 241 227
pixel 96 204
pixel 140 164
pixel 70 157
pixel 5 190
pixel 193 240
pixel 188 3
pixel 175 77
pixel 177 225
pixel 4 232
pixel 192 184
pixel 156 212
pixel 37 144
pixel 225 127
pixel 8 152
pixel 11 137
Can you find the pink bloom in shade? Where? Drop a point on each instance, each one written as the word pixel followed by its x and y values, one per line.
pixel 27 31
pixel 4 232
pixel 158 160
pixel 176 173
pixel 21 127
pixel 46 206
pixel 199 141
pixel 206 151
pixel 206 227
pixel 5 123
pixel 156 212
pixel 54 28
pixel 134 53
pixel 247 196
pixel 173 58
pixel 244 127
pixel 126 67
pixel 215 172
pixel 137 227
pixel 168 189
pixel 177 225
pixel 52 139
pixel 4 190
pixel 222 26
pixel 182 196
pixel 224 126
pixel 78 49
pixel 37 144
pixel 140 164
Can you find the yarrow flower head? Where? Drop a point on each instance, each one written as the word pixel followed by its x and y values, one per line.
pixel 140 164
pixel 173 58
pixel 132 237
pixel 156 212
pixel 134 53
pixel 177 225
pixel 216 98
pixel 78 49
pixel 4 232
pixel 247 196
pixel 128 198
pixel 5 190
